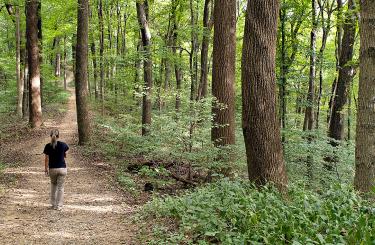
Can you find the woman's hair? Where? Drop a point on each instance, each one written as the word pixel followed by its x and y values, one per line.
pixel 54 136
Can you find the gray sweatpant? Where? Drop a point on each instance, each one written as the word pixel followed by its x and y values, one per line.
pixel 57 176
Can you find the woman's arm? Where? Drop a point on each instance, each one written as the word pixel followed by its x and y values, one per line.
pixel 46 165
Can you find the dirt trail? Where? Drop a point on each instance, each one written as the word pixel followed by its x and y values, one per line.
pixel 94 211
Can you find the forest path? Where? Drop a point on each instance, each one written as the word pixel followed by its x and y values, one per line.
pixel 94 210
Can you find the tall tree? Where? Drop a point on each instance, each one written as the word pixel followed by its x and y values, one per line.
pixel 15 11
pixel 364 180
pixel 345 74
pixel 142 13
pixel 309 112
pixel 207 26
pixel 177 68
pixel 101 53
pixel 224 72
pixel 259 114
pixel 35 109
pixel 81 75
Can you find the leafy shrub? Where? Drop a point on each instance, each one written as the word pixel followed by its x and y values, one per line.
pixel 237 213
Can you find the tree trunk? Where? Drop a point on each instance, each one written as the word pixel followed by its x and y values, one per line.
pixel 345 77
pixel 65 65
pixel 260 125
pixel 364 180
pixel 57 57
pixel 35 109
pixel 40 41
pixel 142 13
pixel 207 27
pixel 193 53
pixel 309 112
pixel 18 64
pixel 101 54
pixel 224 73
pixel 337 55
pixel 81 75
pixel 177 68
pixel 283 71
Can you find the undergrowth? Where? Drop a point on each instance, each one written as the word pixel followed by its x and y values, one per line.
pixel 234 212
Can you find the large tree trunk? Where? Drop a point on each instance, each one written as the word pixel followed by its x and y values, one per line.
pixel 207 25
pixel 260 126
pixel 35 109
pixel 224 72
pixel 346 73
pixel 81 76
pixel 309 112
pixel 364 180
pixel 142 13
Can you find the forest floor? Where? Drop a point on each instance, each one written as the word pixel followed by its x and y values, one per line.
pixel 95 211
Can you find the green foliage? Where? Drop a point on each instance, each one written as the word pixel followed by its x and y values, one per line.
pixel 237 213
pixel 126 182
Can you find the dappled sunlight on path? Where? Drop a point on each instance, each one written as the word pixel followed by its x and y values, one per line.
pixel 94 211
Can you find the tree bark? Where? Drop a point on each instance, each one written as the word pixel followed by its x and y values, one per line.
pixel 364 180
pixel 259 114
pixel 101 54
pixel 35 109
pixel 40 40
pixel 142 13
pixel 207 27
pixel 177 68
pixel 81 75
pixel 224 73
pixel 309 112
pixel 65 65
pixel 346 74
pixel 20 87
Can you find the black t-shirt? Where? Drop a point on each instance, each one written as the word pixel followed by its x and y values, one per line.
pixel 57 155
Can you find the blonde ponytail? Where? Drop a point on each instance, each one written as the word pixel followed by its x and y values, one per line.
pixel 54 136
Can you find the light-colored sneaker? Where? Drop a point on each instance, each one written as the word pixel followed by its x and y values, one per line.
pixel 58 208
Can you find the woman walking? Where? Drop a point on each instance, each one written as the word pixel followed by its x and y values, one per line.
pixel 55 167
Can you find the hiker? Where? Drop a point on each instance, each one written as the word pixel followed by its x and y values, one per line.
pixel 55 168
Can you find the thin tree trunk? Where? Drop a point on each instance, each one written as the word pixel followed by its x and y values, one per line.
pixel 35 110
pixel 81 75
pixel 177 68
pixel 283 69
pixel 193 53
pixel 40 40
pixel 259 114
pixel 364 180
pixel 338 43
pixel 309 112
pixel 18 63
pixel 224 73
pixel 207 25
pixel 57 59
pixel 142 13
pixel 101 54
pixel 65 65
